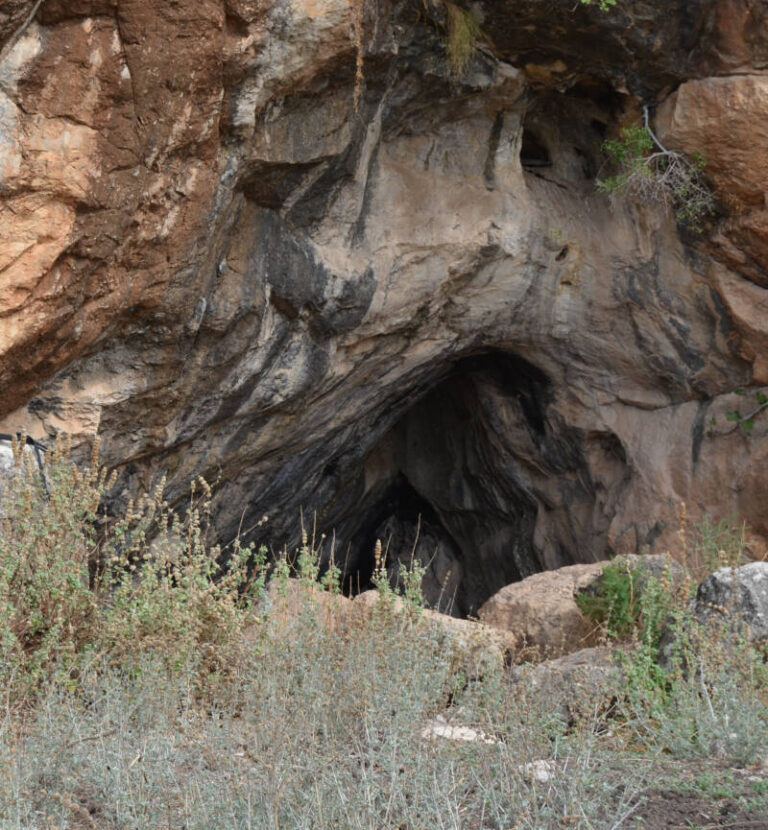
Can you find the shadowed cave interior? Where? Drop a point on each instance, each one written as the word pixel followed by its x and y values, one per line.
pixel 482 484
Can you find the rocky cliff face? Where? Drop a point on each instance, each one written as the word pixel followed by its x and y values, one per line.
pixel 276 244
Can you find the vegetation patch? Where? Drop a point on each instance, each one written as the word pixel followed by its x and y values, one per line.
pixel 648 172
pixel 154 680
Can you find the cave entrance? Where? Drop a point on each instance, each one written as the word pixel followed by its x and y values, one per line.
pixel 480 481
pixel 459 484
pixel 533 151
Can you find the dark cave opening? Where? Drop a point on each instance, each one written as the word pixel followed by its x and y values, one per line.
pixel 460 483
pixel 533 151
pixel 404 521
pixel 479 480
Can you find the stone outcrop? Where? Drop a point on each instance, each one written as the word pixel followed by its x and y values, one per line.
pixel 476 645
pixel 391 298
pixel 542 612
pixel 737 597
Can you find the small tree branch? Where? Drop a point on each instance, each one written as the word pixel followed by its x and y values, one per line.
pixel 651 133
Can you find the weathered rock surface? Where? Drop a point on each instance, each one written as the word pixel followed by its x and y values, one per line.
pixel 578 681
pixel 416 317
pixel 542 611
pixel 476 645
pixel 737 596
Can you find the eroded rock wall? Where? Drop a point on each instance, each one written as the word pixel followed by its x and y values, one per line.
pixel 227 255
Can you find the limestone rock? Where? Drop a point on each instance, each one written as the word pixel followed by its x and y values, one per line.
pixel 441 728
pixel 287 599
pixel 476 645
pixel 542 610
pixel 737 596
pixel 396 302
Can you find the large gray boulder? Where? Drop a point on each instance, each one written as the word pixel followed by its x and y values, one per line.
pixel 737 595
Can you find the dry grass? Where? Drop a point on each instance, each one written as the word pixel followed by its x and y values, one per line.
pixel 160 688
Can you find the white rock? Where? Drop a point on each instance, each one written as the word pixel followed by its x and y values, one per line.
pixel 440 728
pixel 542 772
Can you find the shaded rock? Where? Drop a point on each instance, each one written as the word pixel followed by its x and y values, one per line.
pixel 475 645
pixel 737 597
pixel 581 683
pixel 542 612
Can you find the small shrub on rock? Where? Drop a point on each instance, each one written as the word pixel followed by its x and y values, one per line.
pixel 647 172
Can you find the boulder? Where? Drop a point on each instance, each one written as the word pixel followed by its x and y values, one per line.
pixel 738 596
pixel 576 682
pixel 476 645
pixel 542 610
pixel 286 599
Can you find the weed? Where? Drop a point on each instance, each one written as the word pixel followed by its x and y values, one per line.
pixel 627 600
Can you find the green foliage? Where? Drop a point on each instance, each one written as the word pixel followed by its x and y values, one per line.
pixel 614 606
pixel 745 421
pixel 717 544
pixel 626 601
pixel 649 173
pixel 463 34
pixel 46 605
pixel 150 583
pixel 605 5
pixel 628 152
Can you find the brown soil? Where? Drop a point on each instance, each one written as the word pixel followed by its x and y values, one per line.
pixel 669 810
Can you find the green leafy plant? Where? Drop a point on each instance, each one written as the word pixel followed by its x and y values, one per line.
pixel 614 605
pixel 746 421
pixel 149 582
pixel 627 601
pixel 647 171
